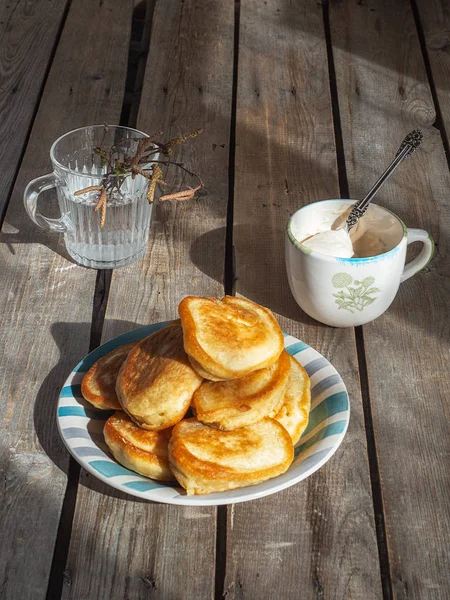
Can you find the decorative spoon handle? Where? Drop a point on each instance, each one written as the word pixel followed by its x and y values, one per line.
pixel 411 142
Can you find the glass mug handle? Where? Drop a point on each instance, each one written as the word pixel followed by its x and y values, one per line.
pixel 30 198
pixel 424 256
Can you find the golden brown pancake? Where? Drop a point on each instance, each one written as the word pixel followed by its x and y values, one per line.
pixel 205 459
pixel 142 451
pixel 156 383
pixel 99 384
pixel 229 338
pixel 294 412
pixel 201 371
pixel 240 402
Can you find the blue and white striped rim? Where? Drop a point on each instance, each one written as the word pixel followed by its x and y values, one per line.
pixel 81 428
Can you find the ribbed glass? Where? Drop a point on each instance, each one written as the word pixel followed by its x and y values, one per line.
pixel 124 236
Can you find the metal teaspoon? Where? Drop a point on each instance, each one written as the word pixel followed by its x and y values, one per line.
pixel 411 142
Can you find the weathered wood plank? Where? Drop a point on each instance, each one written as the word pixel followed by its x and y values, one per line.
pixel 28 33
pixel 47 301
pixel 384 93
pixel 435 21
pixel 316 539
pixel 137 549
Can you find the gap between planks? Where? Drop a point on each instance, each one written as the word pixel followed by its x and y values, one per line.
pixel 229 271
pixel 439 122
pixel 229 287
pixel 377 499
pixel 138 49
pixel 36 108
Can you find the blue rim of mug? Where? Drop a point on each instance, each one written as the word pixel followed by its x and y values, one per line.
pixel 53 146
pixel 308 252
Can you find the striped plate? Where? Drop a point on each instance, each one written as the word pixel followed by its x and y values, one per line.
pixel 81 428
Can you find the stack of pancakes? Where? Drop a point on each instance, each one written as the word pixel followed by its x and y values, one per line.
pixel 224 362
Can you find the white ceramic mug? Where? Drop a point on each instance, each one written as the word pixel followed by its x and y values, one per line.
pixel 346 292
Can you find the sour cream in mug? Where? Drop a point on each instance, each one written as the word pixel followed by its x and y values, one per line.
pixel 375 233
pixel 334 242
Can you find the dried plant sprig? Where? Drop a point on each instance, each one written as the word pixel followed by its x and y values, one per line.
pixel 176 164
pixel 91 188
pixel 183 195
pixel 101 200
pixel 143 146
pixel 167 149
pixel 101 204
pixel 184 138
pixel 138 171
pixel 157 177
pixel 119 167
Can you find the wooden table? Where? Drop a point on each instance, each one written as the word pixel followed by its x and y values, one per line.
pixel 299 101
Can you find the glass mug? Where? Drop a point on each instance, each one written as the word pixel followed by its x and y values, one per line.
pixel 123 238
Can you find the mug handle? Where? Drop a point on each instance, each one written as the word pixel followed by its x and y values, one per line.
pixel 424 256
pixel 30 198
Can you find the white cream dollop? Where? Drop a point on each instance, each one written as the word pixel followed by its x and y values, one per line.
pixel 334 242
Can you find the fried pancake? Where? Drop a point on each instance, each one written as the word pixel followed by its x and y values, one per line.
pixel 145 452
pixel 201 371
pixel 240 402
pixel 229 338
pixel 205 460
pixel 294 412
pixel 156 382
pixel 99 384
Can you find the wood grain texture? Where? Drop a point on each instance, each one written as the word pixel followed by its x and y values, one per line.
pixel 187 85
pixel 136 549
pixel 384 93
pixel 28 33
pixel 47 302
pixel 435 22
pixel 316 539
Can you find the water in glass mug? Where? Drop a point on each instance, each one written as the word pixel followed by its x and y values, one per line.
pixel 123 237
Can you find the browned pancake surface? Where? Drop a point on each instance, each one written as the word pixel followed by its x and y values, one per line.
pixel 294 411
pixel 99 384
pixel 142 451
pixel 240 402
pixel 205 459
pixel 156 383
pixel 229 338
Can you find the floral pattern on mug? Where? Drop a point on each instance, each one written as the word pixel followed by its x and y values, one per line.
pixel 357 297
